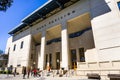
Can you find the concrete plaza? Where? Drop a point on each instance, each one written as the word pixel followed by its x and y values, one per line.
pixel 20 77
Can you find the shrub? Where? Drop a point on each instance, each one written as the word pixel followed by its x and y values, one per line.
pixel 5 72
pixel 1 72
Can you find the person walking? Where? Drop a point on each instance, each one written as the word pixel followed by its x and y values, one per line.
pixel 8 69
pixel 15 72
pixel 28 72
pixel 35 72
pixel 24 72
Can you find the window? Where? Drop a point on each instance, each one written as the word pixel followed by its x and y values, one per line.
pixel 21 46
pixel 118 5
pixel 73 59
pixel 14 47
pixel 81 55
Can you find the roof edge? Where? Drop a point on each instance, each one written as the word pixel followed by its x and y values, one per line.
pixel 10 32
pixel 36 10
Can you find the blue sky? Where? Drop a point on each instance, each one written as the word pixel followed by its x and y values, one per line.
pixel 13 16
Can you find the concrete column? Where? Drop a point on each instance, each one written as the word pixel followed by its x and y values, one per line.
pixel 42 52
pixel 38 55
pixel 65 48
pixel 29 51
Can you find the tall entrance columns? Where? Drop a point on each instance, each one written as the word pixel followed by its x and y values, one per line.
pixel 29 49
pixel 65 47
pixel 42 51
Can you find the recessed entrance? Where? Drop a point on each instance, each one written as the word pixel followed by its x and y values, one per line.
pixel 73 59
pixel 81 55
pixel 50 60
pixel 58 60
pixel 46 59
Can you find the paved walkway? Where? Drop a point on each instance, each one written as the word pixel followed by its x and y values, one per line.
pixel 19 77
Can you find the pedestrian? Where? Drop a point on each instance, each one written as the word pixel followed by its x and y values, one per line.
pixel 11 68
pixel 35 72
pixel 28 72
pixel 14 71
pixel 24 72
pixel 8 69
pixel 38 72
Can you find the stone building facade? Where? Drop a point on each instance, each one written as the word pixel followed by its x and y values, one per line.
pixel 82 34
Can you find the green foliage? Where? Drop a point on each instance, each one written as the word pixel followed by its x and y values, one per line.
pixel 5 4
pixel 1 72
pixel 5 72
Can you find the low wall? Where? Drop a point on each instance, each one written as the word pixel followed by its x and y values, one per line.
pixel 102 68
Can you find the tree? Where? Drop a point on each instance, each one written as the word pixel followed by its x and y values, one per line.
pixel 5 4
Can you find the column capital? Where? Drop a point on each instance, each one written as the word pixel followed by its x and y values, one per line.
pixel 64 24
pixel 43 33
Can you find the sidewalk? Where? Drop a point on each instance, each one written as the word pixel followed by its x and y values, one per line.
pixel 20 77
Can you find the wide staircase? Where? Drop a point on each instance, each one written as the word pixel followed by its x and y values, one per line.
pixel 58 73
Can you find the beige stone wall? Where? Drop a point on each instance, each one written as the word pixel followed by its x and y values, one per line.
pixel 106 28
pixel 21 34
pixel 8 45
pixel 85 40
pixel 19 56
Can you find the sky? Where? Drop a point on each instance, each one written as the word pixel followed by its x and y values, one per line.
pixel 14 15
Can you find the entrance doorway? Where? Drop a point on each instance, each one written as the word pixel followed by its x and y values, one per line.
pixel 46 60
pixel 81 55
pixel 50 60
pixel 57 60
pixel 73 59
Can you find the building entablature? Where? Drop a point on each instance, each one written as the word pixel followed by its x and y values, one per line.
pixel 48 9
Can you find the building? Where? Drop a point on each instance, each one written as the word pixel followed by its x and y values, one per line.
pixel 69 34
